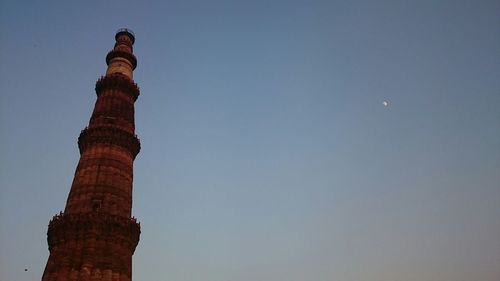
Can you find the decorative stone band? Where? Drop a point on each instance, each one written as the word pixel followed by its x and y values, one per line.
pixel 123 166
pixel 126 55
pixel 117 81
pixel 78 228
pixel 90 136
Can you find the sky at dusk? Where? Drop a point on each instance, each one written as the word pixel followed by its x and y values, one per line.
pixel 267 152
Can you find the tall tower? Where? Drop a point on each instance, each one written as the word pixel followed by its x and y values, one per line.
pixel 95 238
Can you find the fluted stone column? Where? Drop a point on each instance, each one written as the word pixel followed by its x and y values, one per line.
pixel 96 236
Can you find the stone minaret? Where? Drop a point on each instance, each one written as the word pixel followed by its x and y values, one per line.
pixel 95 238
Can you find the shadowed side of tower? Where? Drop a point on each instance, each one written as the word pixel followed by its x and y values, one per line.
pixel 95 238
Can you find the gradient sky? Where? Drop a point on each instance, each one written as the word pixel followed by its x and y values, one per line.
pixel 267 153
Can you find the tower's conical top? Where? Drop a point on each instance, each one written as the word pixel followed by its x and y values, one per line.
pixel 126 32
pixel 121 59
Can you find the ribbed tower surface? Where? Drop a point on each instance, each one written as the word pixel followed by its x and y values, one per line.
pixel 95 237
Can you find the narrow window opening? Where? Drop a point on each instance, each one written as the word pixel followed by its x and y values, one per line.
pixel 96 205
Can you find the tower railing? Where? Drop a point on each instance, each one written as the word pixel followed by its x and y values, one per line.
pixel 125 30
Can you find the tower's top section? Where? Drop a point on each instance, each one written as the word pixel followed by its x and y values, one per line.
pixel 125 32
pixel 121 59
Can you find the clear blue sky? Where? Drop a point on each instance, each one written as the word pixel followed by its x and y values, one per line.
pixel 266 151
